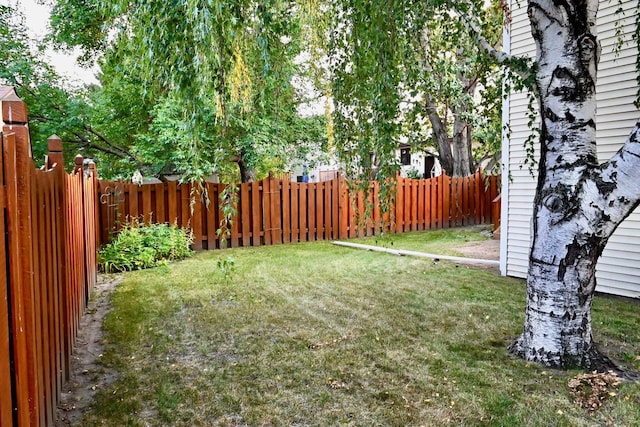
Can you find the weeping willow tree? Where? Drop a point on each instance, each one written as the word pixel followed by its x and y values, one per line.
pixel 219 74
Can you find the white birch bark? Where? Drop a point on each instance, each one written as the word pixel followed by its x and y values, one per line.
pixel 578 202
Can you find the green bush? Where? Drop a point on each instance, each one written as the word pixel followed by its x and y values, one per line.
pixel 143 246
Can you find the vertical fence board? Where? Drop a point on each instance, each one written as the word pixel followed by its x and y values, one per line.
pixel 400 206
pixel 286 210
pixel 311 211
pixel 256 217
pixel 327 214
pixel 295 212
pixel 319 187
pixel 414 204
pixel 266 209
pixel 6 402
pixel 210 215
pixel 172 202
pixel 40 281
pixel 160 212
pixel 276 215
pixel 343 208
pixel 245 213
pixel 147 210
pixel 196 219
pixel 184 204
pixel 302 212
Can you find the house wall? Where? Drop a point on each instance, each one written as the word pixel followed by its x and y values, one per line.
pixel 418 159
pixel 618 271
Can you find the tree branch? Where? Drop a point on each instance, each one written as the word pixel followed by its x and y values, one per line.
pixel 617 181
pixel 498 55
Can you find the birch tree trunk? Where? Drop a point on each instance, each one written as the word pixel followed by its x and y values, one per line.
pixel 578 203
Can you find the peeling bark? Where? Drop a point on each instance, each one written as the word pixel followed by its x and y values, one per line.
pixel 578 203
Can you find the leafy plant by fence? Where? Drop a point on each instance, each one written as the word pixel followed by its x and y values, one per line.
pixel 48 245
pixel 274 211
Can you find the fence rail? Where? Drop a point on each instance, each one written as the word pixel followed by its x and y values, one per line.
pixel 274 211
pixel 48 246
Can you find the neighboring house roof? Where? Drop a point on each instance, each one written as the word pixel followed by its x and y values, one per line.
pixel 618 270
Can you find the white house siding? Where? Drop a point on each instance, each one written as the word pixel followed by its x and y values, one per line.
pixel 619 268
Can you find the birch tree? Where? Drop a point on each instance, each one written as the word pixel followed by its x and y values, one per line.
pixel 579 202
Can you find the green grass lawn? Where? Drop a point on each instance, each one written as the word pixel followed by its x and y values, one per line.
pixel 317 335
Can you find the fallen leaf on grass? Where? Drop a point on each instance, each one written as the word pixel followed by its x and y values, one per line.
pixel 336 384
pixel 320 345
pixel 590 390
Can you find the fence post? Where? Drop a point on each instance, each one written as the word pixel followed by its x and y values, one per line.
pixel 96 202
pixel 17 160
pixel 54 157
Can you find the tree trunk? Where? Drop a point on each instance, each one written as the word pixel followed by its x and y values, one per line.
pixel 578 203
pixel 440 134
pixel 462 157
pixel 246 174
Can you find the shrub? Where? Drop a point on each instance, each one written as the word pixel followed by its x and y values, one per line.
pixel 414 174
pixel 143 246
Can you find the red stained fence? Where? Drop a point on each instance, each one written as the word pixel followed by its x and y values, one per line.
pixel 274 211
pixel 48 244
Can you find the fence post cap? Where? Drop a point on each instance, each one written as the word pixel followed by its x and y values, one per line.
pixel 79 162
pixel 14 109
pixel 54 143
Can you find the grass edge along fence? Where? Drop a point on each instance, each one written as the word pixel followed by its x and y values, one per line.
pixel 275 211
pixel 48 245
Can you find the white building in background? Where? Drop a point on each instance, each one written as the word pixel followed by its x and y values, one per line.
pixel 418 163
pixel 414 163
pixel 618 271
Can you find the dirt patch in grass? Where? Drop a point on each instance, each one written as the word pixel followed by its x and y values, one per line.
pixel 87 373
pixel 483 249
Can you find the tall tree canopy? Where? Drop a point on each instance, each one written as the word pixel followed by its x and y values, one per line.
pixel 55 105
pixel 213 81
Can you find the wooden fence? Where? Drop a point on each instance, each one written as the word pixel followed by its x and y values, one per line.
pixel 274 211
pixel 48 244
